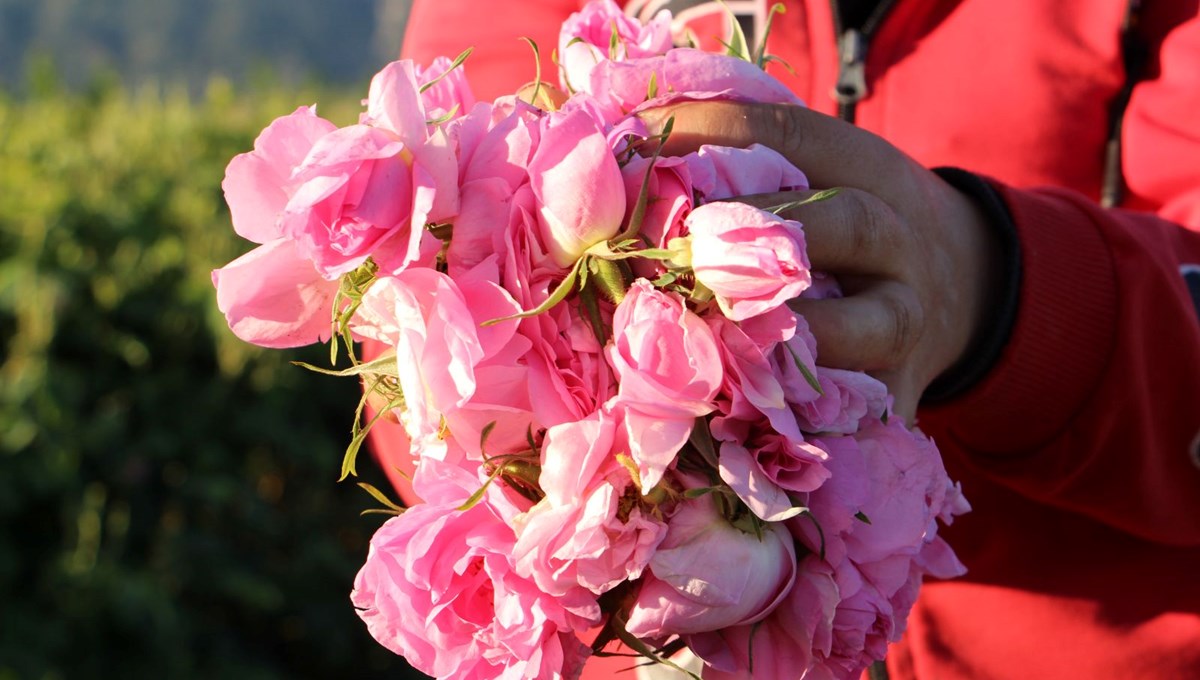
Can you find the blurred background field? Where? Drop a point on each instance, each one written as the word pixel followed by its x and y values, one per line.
pixel 168 497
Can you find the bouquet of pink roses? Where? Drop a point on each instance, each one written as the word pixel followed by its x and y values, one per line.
pixel 620 429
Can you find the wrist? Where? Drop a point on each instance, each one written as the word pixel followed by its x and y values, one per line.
pixel 993 284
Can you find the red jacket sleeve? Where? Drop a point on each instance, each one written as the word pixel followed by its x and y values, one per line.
pixel 1094 406
pixel 501 62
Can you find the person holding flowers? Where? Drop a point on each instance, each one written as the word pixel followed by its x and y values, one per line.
pixel 1015 242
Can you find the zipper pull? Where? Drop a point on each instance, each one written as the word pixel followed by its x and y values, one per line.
pixel 852 72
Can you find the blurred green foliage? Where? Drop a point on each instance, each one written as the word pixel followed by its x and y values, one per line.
pixel 168 504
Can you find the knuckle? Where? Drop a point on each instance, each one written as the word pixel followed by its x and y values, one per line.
pixel 907 322
pixel 789 139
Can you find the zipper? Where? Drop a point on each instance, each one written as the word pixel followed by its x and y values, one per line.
pixel 853 41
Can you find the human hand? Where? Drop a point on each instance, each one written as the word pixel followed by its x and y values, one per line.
pixel 915 258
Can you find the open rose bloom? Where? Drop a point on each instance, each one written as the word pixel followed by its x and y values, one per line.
pixel 619 429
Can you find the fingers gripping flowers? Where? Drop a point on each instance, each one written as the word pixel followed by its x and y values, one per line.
pixel 617 422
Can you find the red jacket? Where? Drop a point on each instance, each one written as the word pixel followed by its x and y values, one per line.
pixel 1079 449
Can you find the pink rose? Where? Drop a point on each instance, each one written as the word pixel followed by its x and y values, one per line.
pixel 751 260
pixel 434 325
pixel 836 502
pixel 669 370
pixel 909 487
pixel 586 36
pixel 623 87
pixel 753 385
pixel 568 376
pixel 367 190
pixel 763 466
pixel 721 172
pixel 846 399
pixel 575 536
pixel 788 644
pixel 358 198
pixel 578 186
pixel 708 574
pixel 452 93
pixel 273 296
pixel 669 200
pixel 439 587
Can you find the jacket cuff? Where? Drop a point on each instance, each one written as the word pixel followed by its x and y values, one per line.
pixel 1062 336
pixel 991 338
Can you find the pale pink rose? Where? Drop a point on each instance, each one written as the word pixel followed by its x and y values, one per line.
pixel 395 106
pixel 836 502
pixel 358 198
pixel 367 190
pixel 847 399
pixel 451 94
pixel 439 587
pixel 578 185
pixel 575 535
pixel 669 370
pixel 788 644
pixel 259 184
pixel 751 260
pixel 763 466
pixel 528 272
pixel 568 375
pixel 909 487
pixel 721 172
pixel 752 385
pixel 586 38
pixel 273 296
pixel 493 142
pixel 440 348
pixel 708 574
pixel 864 622
pixel 624 87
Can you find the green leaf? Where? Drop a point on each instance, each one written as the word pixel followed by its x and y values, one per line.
pixel 643 200
pixel 862 517
pixel 761 53
pixel 642 648
pixel 478 495
pixel 807 512
pixel 770 58
pixel 652 88
pixel 356 442
pixel 383 365
pixel 379 511
pixel 665 280
pixel 560 293
pixel 458 61
pixel 808 375
pixel 737 45
pixel 823 195
pixel 591 306
pixel 382 497
pixel 614 43
pixel 537 69
pixel 487 430
pixel 697 493
pixel 701 440
pixel 444 117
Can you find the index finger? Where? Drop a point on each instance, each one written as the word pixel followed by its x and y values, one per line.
pixel 831 152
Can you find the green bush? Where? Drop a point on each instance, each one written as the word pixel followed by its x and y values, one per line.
pixel 168 504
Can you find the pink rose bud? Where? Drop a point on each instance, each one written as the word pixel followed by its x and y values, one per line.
pixel 669 369
pixel 578 186
pixel 587 35
pixel 751 260
pixel 709 574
